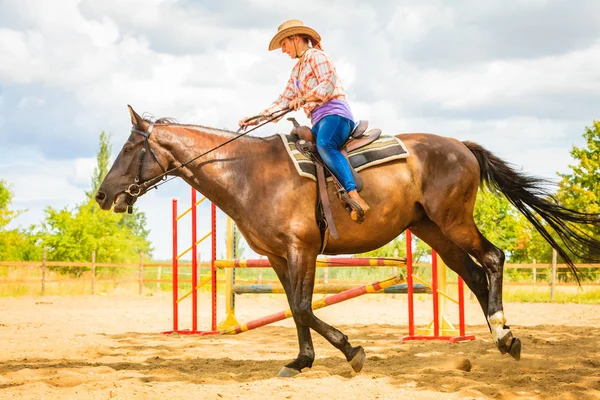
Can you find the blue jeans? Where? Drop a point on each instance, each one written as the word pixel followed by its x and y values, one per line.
pixel 331 132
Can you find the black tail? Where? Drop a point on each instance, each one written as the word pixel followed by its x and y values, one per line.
pixel 531 196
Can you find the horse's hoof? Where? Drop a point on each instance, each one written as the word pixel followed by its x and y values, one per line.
pixel 358 360
pixel 515 349
pixel 286 372
pixel 511 345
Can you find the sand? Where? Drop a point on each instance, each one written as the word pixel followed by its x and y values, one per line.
pixel 111 347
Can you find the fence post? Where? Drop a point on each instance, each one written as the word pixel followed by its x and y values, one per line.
pixel 534 272
pixel 93 272
pixel 158 277
pixel 141 272
pixel 44 271
pixel 553 282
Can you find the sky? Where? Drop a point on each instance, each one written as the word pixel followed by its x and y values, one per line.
pixel 520 77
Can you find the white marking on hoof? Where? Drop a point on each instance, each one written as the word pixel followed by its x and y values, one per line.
pixel 497 322
pixel 286 372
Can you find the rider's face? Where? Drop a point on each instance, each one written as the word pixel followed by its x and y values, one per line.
pixel 287 46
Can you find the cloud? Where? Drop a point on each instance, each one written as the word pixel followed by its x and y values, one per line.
pixel 522 78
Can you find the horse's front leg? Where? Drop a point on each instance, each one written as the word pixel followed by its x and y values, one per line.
pixel 302 267
pixel 306 355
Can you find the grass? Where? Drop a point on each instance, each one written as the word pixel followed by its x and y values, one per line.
pixel 563 294
pixel 125 281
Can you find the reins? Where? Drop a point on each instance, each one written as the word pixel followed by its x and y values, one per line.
pixel 135 189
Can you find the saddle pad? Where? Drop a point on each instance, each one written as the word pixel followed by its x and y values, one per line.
pixel 384 149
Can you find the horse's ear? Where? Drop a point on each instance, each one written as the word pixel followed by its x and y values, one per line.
pixel 136 120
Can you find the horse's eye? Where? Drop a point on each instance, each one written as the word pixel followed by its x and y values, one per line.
pixel 127 149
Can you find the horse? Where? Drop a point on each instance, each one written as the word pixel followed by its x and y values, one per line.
pixel 432 193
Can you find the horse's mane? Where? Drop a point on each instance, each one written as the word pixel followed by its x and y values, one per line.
pixel 172 121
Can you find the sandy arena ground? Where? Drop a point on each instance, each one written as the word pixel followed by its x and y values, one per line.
pixel 108 347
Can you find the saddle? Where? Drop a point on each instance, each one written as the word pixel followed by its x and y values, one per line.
pixel 357 139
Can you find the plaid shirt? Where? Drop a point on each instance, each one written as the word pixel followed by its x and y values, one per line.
pixel 314 75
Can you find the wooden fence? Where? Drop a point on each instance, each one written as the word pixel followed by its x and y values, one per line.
pixel 142 265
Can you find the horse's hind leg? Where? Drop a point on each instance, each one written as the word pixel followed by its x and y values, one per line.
pixel 456 259
pixel 460 228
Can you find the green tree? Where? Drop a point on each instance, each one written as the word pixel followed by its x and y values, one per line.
pixel 72 234
pixel 580 190
pixel 135 222
pixel 15 244
pixel 102 164
pixel 6 195
pixel 497 220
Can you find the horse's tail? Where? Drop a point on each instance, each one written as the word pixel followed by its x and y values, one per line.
pixel 531 196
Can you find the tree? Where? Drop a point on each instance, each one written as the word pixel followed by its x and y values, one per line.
pixel 102 163
pixel 497 220
pixel 72 234
pixel 135 222
pixel 15 244
pixel 580 190
pixel 6 195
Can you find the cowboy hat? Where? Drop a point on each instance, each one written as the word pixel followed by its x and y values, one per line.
pixel 289 28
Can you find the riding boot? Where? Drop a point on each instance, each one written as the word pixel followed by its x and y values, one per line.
pixel 363 204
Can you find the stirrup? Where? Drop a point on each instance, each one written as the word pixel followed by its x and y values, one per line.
pixel 352 206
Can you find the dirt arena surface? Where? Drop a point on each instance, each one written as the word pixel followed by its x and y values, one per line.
pixel 107 347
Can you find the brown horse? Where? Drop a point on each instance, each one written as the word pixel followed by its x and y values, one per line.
pixel 432 192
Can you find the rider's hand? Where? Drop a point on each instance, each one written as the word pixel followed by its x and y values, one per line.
pixel 297 103
pixel 245 122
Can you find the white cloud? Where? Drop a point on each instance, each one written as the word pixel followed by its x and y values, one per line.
pixel 476 71
pixel 510 81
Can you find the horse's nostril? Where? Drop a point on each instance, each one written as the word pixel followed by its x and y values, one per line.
pixel 100 196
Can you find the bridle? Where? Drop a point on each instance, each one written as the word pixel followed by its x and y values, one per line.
pixel 136 188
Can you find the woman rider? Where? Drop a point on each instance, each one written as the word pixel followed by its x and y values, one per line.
pixel 315 86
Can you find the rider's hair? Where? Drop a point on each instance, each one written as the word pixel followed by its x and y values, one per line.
pixel 313 43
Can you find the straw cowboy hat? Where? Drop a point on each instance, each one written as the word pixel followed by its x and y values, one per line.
pixel 289 28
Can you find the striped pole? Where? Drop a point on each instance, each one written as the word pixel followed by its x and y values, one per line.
pixel 327 301
pixel 329 262
pixel 268 288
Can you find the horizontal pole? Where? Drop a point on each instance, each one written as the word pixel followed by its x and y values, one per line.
pixel 327 301
pixel 330 262
pixel 324 288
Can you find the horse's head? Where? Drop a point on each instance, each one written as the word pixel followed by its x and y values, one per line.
pixel 134 169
